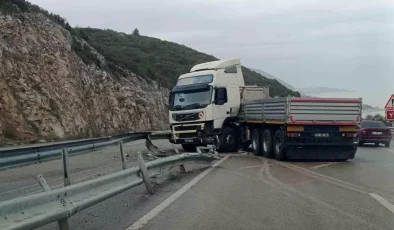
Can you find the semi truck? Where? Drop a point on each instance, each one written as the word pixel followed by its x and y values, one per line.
pixel 212 105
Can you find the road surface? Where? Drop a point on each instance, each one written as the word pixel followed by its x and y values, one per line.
pixel 248 192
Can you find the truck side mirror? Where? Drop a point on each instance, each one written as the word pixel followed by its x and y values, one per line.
pixel 170 99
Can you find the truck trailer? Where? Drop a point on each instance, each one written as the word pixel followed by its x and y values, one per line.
pixel 212 105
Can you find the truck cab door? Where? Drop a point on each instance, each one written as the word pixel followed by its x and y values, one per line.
pixel 221 107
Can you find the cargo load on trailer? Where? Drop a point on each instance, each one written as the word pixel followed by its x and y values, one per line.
pixel 211 105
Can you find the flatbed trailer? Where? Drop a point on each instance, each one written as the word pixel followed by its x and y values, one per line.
pixel 301 128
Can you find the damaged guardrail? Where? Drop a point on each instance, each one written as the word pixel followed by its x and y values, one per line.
pixel 51 153
pixel 59 204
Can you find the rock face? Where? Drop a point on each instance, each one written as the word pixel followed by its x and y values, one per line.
pixel 47 91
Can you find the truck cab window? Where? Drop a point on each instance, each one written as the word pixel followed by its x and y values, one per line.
pixel 231 69
pixel 221 96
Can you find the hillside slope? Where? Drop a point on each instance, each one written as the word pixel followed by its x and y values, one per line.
pixel 159 60
pixel 267 75
pixel 48 92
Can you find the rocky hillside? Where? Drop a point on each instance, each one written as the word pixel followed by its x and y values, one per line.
pixel 48 92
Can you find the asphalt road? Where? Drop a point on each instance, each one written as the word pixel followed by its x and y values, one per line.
pixel 248 192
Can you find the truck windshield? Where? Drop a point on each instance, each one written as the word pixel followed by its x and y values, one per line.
pixel 196 79
pixel 191 99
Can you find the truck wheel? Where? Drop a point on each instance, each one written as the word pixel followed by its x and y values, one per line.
pixel 267 143
pixel 228 140
pixel 279 145
pixel 377 144
pixel 256 141
pixel 189 147
pixel 387 144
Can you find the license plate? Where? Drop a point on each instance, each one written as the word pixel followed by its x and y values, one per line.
pixel 189 140
pixel 376 133
pixel 322 134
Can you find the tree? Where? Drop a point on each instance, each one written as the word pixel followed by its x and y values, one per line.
pixel 136 32
pixel 378 117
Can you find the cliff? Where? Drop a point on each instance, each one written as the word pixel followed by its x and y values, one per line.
pixel 48 92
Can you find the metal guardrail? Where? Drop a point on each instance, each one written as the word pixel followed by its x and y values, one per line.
pixel 392 132
pixel 47 147
pixel 58 205
pixel 46 153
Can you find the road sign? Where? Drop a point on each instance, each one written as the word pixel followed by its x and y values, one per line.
pixel 390 115
pixel 390 103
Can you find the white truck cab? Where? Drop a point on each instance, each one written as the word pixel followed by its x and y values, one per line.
pixel 202 100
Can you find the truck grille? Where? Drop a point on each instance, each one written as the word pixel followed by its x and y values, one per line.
pixel 187 128
pixel 187 135
pixel 185 116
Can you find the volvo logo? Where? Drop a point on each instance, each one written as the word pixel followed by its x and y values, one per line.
pixel 174 117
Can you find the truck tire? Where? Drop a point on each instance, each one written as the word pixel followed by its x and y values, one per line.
pixel 189 147
pixel 256 141
pixel 279 145
pixel 387 144
pixel 266 145
pixel 228 140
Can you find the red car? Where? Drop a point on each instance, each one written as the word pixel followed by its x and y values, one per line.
pixel 374 132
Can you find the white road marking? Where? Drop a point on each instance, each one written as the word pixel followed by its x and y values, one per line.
pixel 323 165
pixel 154 212
pixel 250 167
pixel 254 166
pixel 383 202
pixel 323 177
pixel 387 149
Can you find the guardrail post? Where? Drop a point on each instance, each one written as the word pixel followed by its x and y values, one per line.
pixel 63 224
pixel 145 174
pixel 198 150
pixel 67 180
pixel 43 183
pixel 176 149
pixel 122 154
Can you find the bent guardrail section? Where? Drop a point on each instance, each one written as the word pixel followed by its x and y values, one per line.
pixel 57 205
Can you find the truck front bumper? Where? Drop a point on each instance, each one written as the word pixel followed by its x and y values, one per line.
pixel 193 141
pixel 190 133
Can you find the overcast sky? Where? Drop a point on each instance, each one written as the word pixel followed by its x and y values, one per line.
pixel 332 43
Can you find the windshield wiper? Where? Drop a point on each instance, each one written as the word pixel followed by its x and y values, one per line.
pixel 194 105
pixel 177 107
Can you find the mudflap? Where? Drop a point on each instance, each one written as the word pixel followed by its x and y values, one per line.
pixel 321 153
